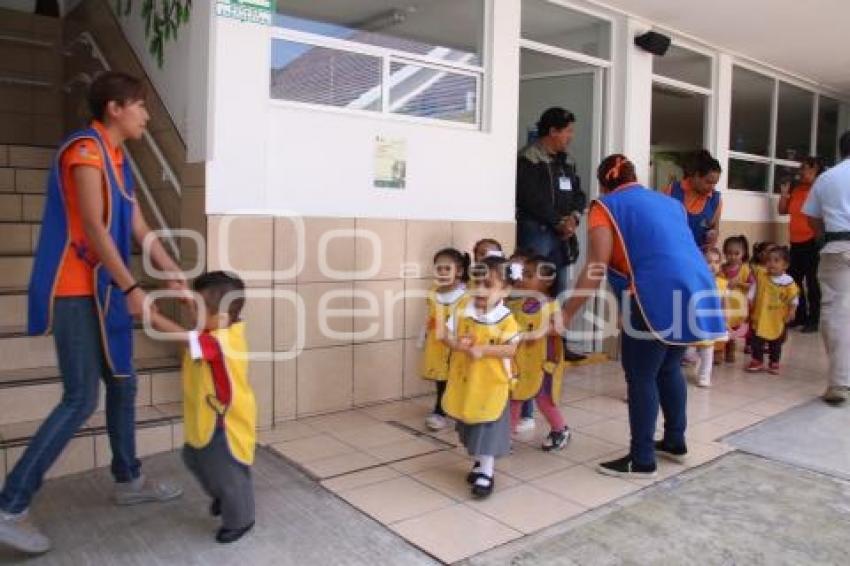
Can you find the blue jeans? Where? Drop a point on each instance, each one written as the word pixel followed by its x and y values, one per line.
pixel 654 376
pixel 540 239
pixel 76 333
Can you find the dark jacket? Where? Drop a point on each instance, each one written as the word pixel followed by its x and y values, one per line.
pixel 539 198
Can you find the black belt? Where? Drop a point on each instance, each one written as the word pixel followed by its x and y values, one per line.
pixel 837 237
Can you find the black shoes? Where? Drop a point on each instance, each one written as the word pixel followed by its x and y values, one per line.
pixel 809 329
pixel 676 454
pixel 473 475
pixel 226 536
pixel 571 356
pixel 480 491
pixel 625 468
pixel 556 440
pixel 215 508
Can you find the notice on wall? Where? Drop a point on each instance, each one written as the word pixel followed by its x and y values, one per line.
pixel 390 163
pixel 251 11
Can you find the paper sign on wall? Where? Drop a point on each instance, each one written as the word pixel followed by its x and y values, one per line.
pixel 252 11
pixel 390 163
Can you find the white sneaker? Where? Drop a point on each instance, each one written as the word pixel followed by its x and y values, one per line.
pixel 525 425
pixel 435 422
pixel 18 532
pixel 143 490
pixel 704 382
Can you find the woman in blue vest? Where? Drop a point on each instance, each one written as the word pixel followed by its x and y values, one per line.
pixel 697 193
pixel 82 291
pixel 667 299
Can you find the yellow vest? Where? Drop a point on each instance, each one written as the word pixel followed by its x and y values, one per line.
pixel 435 357
pixel 772 304
pixel 737 306
pixel 199 413
pixel 478 390
pixel 532 357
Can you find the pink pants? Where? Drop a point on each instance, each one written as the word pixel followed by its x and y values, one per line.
pixel 546 406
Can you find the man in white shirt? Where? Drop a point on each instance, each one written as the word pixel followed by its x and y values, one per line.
pixel 828 209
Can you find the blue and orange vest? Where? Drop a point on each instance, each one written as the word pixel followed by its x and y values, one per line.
pixel 116 324
pixel 669 281
pixel 700 222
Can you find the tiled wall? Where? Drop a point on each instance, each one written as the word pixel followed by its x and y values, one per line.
pixel 334 373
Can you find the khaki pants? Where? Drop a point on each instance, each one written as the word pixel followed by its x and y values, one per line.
pixel 834 275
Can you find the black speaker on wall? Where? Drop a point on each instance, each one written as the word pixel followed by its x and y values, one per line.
pixel 654 42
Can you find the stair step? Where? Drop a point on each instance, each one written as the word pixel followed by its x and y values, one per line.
pixel 158 429
pixel 38 351
pixel 13 310
pixel 51 374
pixel 35 398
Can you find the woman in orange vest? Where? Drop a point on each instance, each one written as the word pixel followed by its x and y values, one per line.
pixel 805 249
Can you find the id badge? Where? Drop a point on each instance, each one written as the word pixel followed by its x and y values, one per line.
pixel 565 184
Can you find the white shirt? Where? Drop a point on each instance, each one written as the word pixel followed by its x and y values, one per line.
pixel 829 200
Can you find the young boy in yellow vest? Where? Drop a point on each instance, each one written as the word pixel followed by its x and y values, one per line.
pixel 219 410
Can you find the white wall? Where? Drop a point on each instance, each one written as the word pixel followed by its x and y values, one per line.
pixel 269 157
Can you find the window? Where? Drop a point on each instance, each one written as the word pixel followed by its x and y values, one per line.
pixel 684 65
pixel 752 101
pixel 423 60
pixel 551 24
pixel 794 123
pixel 784 174
pixel 748 175
pixel 827 135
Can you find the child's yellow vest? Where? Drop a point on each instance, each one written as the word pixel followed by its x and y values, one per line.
pixel 199 398
pixel 533 359
pixel 478 390
pixel 737 307
pixel 772 304
pixel 435 357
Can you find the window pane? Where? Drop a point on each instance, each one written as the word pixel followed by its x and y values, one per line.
pixel 828 129
pixel 747 176
pixel 554 25
pixel 452 31
pixel 677 130
pixel 782 174
pixel 684 65
pixel 317 75
pixel 752 103
pixel 432 93
pixel 794 123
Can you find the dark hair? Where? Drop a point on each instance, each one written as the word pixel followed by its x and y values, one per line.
pixel 782 251
pixel 113 86
pixel 216 285
pixel 844 145
pixel 740 240
pixel 555 117
pixel 521 253
pixel 815 162
pixel 485 241
pixel 461 259
pixel 701 163
pixel 492 264
pixel 760 248
pixel 616 170
pixel 544 268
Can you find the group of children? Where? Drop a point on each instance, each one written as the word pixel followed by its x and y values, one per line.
pixel 760 300
pixel 491 346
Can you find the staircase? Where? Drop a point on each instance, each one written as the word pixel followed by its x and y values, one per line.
pixel 32 99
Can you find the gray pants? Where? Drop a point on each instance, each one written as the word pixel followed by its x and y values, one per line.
pixel 834 276
pixel 223 478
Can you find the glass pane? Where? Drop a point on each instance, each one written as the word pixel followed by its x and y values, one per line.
pixel 828 129
pixel 782 174
pixel 747 176
pixel 452 31
pixel 677 130
pixel 794 123
pixel 432 93
pixel 555 25
pixel 684 65
pixel 317 75
pixel 752 105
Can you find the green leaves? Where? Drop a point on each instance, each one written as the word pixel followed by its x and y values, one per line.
pixel 162 20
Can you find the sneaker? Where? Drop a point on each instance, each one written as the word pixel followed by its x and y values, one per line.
pixel 525 425
pixel 773 368
pixel 574 357
pixel 483 486
pixel 755 366
pixel 556 440
pixel 836 394
pixel 226 536
pixel 678 454
pixel 625 468
pixel 143 490
pixel 435 422
pixel 18 532
pixel 704 382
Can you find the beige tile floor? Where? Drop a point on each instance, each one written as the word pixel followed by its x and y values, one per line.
pixel 383 461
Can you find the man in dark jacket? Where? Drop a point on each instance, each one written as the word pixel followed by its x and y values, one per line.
pixel 549 198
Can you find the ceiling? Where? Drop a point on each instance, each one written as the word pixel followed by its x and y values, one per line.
pixel 805 38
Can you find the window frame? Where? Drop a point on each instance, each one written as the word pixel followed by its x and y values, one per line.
pixel 387 57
